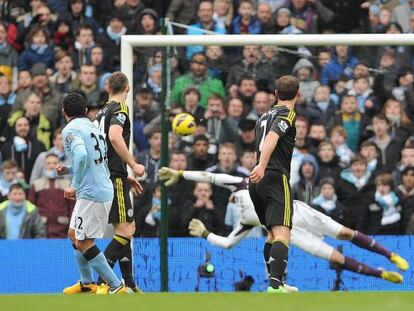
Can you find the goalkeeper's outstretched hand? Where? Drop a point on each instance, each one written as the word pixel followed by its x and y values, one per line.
pixel 169 176
pixel 197 228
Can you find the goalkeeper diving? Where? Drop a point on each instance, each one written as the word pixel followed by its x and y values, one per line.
pixel 308 232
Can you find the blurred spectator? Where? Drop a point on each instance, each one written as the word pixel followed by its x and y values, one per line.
pixel 260 105
pixel 264 15
pixel 145 113
pixel 19 219
pixel 361 70
pixel 355 190
pixel 7 178
pixel 371 153
pixel 192 102
pixel 22 148
pixel 7 98
pixel 218 62
pixel 151 158
pixel 198 77
pixel 248 159
pixel 37 51
pixel 182 11
pixel 57 150
pixel 110 40
pixel 246 136
pixel 200 159
pixel 339 141
pixel 368 103
pixel 271 58
pixel 205 22
pixel 352 120
pixel 64 36
pixel 404 91
pixel 205 210
pixel 46 193
pixel 405 192
pixel 223 13
pixel 64 76
pixel 24 81
pixel 246 22
pixel 25 20
pixel 401 125
pixel 40 127
pixel 180 205
pixel 304 71
pixel 148 22
pixel 317 134
pixel 324 58
pixel 387 219
pixel 218 126
pixel 389 146
pixel 246 90
pixel 154 81
pixel 328 161
pixel 327 201
pixel 8 56
pixel 87 82
pixel 322 108
pixel 342 64
pixel 153 218
pixel 407 160
pixel 78 18
pixel 83 45
pixel 401 14
pixel 98 60
pixel 300 149
pixel 51 98
pixel 305 14
pixel 306 189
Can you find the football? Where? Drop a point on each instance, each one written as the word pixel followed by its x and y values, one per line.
pixel 183 124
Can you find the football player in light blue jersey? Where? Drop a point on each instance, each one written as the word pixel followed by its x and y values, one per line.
pixel 93 191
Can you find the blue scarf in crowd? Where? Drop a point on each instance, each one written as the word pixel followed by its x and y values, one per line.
pixel 388 203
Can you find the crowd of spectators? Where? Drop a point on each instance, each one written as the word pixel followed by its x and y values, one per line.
pixel 354 153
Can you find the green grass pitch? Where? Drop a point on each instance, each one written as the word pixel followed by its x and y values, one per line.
pixel 349 301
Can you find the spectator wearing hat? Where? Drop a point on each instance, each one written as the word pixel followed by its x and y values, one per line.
pixel 110 40
pixel 306 189
pixel 304 71
pixel 327 201
pixel 87 82
pixel 77 17
pixel 37 51
pixel 192 106
pixel 246 136
pixel 64 76
pixel 199 158
pixel 51 99
pixel 355 189
pixel 405 192
pixel 83 45
pixel 198 77
pixel 148 22
pixel 8 56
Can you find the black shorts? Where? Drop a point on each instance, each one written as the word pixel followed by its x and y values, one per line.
pixel 272 200
pixel 121 209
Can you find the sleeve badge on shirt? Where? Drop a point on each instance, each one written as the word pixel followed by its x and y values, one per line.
pixel 121 118
pixel 69 139
pixel 283 125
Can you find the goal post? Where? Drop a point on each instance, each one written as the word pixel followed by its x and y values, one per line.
pixel 128 42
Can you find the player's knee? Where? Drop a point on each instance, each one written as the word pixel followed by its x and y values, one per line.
pixel 337 258
pixel 346 234
pixel 71 236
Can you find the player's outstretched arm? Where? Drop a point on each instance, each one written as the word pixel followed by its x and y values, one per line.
pixel 171 176
pixel 269 145
pixel 197 228
pixel 117 141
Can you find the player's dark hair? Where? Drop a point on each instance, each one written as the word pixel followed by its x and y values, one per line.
pixel 117 82
pixel 74 105
pixel 287 87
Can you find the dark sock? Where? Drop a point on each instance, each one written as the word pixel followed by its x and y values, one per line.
pixel 91 253
pixel 266 255
pixel 370 244
pixel 278 262
pixel 358 267
pixel 125 263
pixel 113 252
